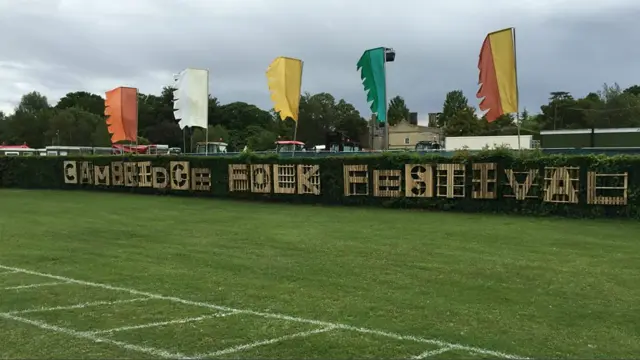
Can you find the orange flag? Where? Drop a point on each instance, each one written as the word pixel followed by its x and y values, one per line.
pixel 121 109
pixel 498 79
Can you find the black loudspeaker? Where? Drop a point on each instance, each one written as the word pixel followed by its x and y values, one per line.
pixel 413 118
pixel 390 55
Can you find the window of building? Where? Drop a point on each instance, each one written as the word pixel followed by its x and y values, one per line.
pixel 406 141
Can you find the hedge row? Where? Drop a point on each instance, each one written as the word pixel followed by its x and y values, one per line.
pixel 49 173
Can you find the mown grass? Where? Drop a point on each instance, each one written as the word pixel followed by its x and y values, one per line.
pixel 527 286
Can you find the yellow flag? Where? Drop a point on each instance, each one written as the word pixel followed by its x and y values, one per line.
pixel 284 77
pixel 498 78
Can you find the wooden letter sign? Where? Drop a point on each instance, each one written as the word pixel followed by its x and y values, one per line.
pixel 356 180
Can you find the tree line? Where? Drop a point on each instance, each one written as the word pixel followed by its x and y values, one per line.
pixel 610 107
pixel 78 119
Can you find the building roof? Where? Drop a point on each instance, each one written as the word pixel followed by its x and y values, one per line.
pixel 405 126
pixel 588 131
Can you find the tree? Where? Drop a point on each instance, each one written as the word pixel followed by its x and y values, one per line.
pixel 349 121
pixel 397 111
pixel 216 133
pixel 454 102
pixel 503 125
pixel 166 132
pixel 76 127
pixel 617 108
pixel 259 139
pixel 609 107
pixel 29 121
pixel 33 103
pixel 317 117
pixel 284 128
pixel 559 112
pixel 82 100
pixel 239 115
pixel 214 111
pixel 4 128
pixel 633 90
pixel 78 119
pixel 463 122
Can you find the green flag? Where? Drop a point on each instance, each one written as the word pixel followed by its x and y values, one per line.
pixel 371 66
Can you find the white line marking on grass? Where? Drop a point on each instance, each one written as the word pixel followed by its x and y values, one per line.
pixel 430 353
pixel 244 347
pixel 275 316
pixel 162 323
pixel 77 306
pixel 8 272
pixel 83 335
pixel 34 285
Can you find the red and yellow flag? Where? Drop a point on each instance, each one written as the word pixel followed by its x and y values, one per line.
pixel 121 109
pixel 498 79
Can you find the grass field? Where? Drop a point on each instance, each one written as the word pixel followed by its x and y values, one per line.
pixel 106 275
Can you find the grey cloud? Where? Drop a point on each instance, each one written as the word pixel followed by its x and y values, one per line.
pixel 572 45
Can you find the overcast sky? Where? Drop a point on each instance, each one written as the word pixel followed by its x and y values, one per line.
pixel 58 46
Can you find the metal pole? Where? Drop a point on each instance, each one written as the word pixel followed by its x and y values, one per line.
pixel 148 148
pixel 515 65
pixel 184 140
pixel 372 130
pixel 518 127
pixel 295 129
pixel 386 105
pixel 206 124
pixel 295 133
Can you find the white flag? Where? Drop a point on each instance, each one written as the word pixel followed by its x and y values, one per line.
pixel 191 98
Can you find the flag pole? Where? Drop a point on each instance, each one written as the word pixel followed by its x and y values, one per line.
pixel 295 133
pixel 386 105
pixel 515 65
pixel 137 116
pixel 206 124
pixel 295 128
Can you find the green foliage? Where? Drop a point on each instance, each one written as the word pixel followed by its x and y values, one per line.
pixel 47 173
pixel 91 103
pixel 398 110
pixel 78 120
pixel 454 103
pixel 611 107
pixel 320 114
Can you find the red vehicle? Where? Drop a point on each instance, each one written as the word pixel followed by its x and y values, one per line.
pixel 16 150
pixel 140 149
pixel 289 146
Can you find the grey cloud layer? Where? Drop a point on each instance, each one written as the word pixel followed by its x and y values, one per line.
pixel 70 45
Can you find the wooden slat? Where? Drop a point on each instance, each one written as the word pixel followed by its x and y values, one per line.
pixel 521 191
pixel 482 184
pixel 561 184
pixel 201 179
pixel 354 175
pixel 238 177
pixel 309 179
pixel 387 183
pixel 593 188
pixel 261 178
pixel 179 174
pixel 446 183
pixel 420 181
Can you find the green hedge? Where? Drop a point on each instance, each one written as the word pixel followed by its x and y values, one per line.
pixel 48 173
